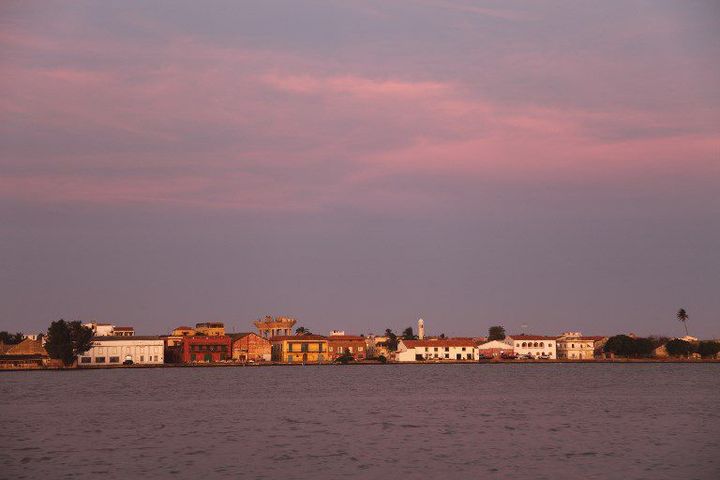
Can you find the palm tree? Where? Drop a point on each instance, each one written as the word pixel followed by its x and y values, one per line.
pixel 683 316
pixel 302 331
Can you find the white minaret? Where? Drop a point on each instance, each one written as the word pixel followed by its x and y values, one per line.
pixel 421 329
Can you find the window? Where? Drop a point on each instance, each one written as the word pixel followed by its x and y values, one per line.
pixel 193 357
pixel 463 349
pixel 435 348
pixel 142 358
pixel 524 344
pixel 99 359
pixel 360 349
pixel 427 349
pixel 114 359
pixel 447 349
pixel 550 345
pixel 447 355
pixel 350 348
pixel 542 344
pixel 85 359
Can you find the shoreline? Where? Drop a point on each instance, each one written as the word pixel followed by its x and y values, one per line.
pixel 622 361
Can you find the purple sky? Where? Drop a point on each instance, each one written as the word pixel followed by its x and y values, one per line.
pixel 359 164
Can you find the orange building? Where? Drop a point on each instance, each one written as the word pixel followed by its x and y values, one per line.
pixel 352 344
pixel 250 347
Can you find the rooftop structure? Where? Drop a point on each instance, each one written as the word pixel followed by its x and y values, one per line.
pixel 273 327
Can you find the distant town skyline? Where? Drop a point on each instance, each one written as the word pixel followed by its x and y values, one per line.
pixel 360 165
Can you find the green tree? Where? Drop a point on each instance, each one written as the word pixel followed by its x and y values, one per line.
pixel 392 341
pixel 67 340
pixel 408 334
pixel 496 333
pixel 302 331
pixel 683 317
pixel 708 349
pixel 346 357
pixel 679 348
pixel 620 345
pixel 11 339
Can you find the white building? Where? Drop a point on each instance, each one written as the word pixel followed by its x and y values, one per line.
pixel 421 329
pixel 117 350
pixel 100 329
pixel 575 346
pixel 534 345
pixel 123 331
pixel 337 333
pixel 449 349
pixel 495 349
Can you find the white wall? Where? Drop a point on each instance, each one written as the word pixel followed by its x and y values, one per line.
pixel 141 352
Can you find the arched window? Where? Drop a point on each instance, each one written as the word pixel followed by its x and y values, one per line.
pixel 542 344
pixel 524 344
pixel 572 345
pixel 536 344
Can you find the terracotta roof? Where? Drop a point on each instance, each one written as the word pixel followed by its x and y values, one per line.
pixel 27 347
pixel 447 342
pixel 121 338
pixel 240 334
pixel 531 337
pixel 345 338
pixel 280 338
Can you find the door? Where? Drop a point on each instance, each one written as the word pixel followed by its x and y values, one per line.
pixel 208 357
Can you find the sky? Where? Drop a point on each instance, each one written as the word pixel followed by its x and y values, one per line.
pixel 545 166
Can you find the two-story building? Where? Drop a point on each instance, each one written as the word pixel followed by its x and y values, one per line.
pixel 210 329
pixel 338 345
pixel 299 349
pixel 447 349
pixel 575 346
pixel 116 350
pixel 203 349
pixel 250 346
pixel 535 346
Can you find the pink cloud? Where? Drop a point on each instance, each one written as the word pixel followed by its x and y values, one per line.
pixel 354 85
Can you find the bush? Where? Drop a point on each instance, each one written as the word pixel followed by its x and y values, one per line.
pixel 679 348
pixel 708 349
pixel 624 346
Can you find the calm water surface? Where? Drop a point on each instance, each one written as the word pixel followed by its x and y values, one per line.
pixel 648 421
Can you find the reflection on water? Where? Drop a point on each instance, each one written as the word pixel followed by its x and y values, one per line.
pixel 453 421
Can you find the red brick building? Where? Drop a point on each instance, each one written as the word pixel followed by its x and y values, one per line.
pixel 352 344
pixel 250 347
pixel 205 349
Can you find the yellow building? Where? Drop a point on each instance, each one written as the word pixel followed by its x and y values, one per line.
pixel 272 327
pixel 299 349
pixel 183 332
pixel 211 329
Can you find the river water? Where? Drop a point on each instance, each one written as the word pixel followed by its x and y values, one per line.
pixel 531 421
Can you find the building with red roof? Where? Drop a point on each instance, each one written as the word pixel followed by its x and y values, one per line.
pixel 355 345
pixel 446 349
